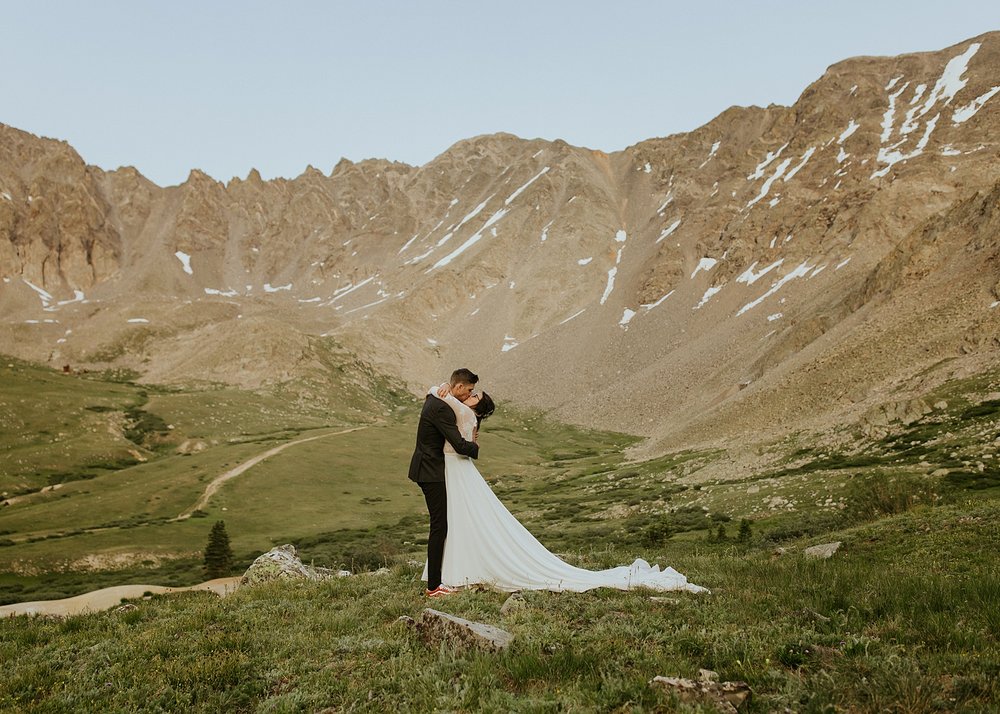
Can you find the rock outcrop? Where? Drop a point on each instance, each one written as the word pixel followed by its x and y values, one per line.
pixel 822 551
pixel 282 563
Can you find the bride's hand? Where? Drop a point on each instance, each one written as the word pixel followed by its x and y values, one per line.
pixel 444 390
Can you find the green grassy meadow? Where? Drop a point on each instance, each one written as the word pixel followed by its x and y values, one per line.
pixel 903 618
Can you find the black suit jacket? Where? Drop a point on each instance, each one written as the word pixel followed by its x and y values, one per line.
pixel 437 423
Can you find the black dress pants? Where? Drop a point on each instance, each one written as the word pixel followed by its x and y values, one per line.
pixel 436 496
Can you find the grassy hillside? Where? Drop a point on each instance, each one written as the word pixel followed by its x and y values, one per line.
pixel 903 618
pixel 71 525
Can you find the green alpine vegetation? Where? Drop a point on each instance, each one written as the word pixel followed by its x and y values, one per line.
pixel 903 617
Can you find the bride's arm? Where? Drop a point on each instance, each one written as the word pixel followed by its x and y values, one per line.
pixel 443 392
pixel 446 422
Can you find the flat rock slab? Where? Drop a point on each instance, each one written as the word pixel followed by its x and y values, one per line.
pixel 436 627
pixel 725 696
pixel 825 550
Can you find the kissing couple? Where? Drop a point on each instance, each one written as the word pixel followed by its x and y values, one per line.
pixel 473 538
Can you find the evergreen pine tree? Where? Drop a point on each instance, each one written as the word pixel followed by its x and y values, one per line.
pixel 745 533
pixel 218 553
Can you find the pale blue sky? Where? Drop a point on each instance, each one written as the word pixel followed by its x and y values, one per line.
pixel 227 86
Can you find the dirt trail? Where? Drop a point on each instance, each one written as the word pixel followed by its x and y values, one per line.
pixel 107 598
pixel 217 482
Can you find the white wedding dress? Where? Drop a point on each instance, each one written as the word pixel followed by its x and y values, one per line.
pixel 487 545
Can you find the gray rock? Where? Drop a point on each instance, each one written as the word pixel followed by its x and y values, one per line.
pixel 707 675
pixel 191 446
pixel 940 472
pixel 826 550
pixel 941 405
pixel 726 696
pixel 436 627
pixel 281 563
pixel 904 412
pixel 515 602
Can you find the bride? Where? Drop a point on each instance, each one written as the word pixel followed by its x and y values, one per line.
pixel 486 544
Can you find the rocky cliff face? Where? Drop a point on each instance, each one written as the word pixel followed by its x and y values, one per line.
pixel 54 222
pixel 773 269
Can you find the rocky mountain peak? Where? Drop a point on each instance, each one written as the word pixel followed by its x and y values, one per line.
pixel 774 266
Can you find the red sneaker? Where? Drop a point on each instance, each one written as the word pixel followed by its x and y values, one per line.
pixel 441 591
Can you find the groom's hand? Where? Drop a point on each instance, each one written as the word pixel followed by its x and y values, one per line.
pixel 475 436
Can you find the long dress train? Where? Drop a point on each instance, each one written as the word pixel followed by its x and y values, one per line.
pixel 488 545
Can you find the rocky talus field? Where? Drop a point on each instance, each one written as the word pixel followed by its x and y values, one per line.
pixel 715 350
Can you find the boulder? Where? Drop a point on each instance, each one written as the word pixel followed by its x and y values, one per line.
pixel 707 675
pixel 436 627
pixel 725 696
pixel 515 602
pixel 282 563
pixel 824 551
pixel 191 446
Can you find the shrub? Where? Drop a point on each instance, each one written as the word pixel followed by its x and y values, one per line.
pixel 656 534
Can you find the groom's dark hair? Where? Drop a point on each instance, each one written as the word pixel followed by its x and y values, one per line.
pixel 465 376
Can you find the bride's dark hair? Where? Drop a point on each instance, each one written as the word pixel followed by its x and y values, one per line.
pixel 484 408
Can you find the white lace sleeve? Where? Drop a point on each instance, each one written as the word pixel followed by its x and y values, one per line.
pixel 464 417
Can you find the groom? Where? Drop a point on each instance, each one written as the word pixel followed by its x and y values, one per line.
pixel 438 423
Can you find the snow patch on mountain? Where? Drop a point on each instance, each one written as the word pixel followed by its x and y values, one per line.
pixel 767 184
pixel 771 156
pixel 852 126
pixel 668 230
pixel 707 296
pixel 750 277
pixel 798 272
pixel 711 153
pixel 805 157
pixel 626 317
pixel 574 315
pixel 529 182
pixel 651 305
pixel 705 264
pixel 185 261
pixel 964 113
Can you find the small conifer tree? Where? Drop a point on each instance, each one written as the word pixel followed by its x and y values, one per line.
pixel 218 553
pixel 720 534
pixel 745 533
